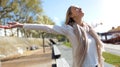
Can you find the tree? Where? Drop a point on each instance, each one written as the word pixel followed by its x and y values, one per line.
pixel 19 10
pixel 23 11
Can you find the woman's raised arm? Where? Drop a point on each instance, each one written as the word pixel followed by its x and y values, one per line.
pixel 64 29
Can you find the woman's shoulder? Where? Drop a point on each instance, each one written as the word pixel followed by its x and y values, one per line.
pixel 67 26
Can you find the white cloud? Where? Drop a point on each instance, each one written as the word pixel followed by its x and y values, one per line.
pixel 57 21
pixel 111 12
pixel 102 28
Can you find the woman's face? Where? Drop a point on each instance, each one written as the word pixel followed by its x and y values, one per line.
pixel 76 12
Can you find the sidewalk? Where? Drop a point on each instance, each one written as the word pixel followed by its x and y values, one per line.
pixel 112 48
pixel 108 65
pixel 67 54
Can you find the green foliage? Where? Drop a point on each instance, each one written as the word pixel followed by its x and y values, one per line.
pixel 23 11
pixel 44 20
pixel 20 9
pixel 3 3
pixel 112 59
pixel 67 44
pixel 61 38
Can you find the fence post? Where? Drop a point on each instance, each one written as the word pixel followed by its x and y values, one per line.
pixel 43 42
pixel 0 64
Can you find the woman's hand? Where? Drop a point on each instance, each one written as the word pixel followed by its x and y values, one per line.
pixel 14 24
pixel 5 27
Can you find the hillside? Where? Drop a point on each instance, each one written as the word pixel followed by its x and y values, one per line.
pixel 11 46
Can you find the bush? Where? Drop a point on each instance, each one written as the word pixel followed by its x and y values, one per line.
pixel 67 44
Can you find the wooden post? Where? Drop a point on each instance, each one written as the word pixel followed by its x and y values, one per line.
pixel 105 36
pixel 43 42
pixel 0 64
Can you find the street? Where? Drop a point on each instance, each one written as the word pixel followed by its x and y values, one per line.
pixel 112 48
pixel 67 54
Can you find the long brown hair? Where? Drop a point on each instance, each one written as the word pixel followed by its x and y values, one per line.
pixel 69 20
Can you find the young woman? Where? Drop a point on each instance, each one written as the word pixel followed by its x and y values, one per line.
pixel 86 45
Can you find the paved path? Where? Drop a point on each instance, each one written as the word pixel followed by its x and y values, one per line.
pixel 112 48
pixel 67 54
pixel 37 59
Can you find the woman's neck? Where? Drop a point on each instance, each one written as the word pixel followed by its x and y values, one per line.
pixel 79 22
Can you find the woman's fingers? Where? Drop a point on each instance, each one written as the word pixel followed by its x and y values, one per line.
pixel 12 23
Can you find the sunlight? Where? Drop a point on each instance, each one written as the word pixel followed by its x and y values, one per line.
pixel 111 12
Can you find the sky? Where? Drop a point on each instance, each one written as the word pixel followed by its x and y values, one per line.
pixel 96 11
pixel 111 12
pixel 56 9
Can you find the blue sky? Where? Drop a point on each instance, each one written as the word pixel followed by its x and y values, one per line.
pixel 56 9
pixel 96 11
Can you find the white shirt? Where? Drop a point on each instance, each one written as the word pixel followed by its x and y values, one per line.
pixel 90 59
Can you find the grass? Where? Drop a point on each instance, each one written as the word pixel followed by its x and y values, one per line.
pixel 112 59
pixel 109 58
pixel 67 44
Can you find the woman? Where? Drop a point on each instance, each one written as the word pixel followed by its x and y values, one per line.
pixel 85 42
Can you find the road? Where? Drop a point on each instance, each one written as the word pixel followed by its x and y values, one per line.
pixel 112 48
pixel 38 59
pixel 67 54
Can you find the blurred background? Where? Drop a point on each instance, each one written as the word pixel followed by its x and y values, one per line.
pixel 102 15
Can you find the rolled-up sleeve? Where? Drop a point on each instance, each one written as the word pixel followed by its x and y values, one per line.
pixel 55 29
